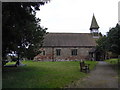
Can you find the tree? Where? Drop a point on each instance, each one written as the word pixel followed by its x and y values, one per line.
pixel 110 42
pixel 113 38
pixel 21 28
pixel 102 43
pixel 102 46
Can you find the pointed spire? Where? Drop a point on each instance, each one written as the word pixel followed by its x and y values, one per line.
pixel 94 24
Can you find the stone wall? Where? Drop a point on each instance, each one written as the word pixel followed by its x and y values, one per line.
pixel 65 55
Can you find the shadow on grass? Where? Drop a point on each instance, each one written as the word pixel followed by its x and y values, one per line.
pixel 41 75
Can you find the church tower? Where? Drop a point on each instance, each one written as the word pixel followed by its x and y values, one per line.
pixel 94 28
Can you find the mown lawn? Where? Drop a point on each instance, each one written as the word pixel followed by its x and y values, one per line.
pixel 43 74
pixel 112 61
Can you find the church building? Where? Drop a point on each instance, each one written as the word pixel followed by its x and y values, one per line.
pixel 70 46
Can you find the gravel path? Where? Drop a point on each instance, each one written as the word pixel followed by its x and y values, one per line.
pixel 103 76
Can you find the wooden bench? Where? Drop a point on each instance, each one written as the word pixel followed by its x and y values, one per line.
pixel 84 67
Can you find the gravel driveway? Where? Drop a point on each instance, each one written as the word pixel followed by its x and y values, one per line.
pixel 103 76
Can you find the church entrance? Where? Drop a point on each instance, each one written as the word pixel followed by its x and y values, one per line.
pixel 97 56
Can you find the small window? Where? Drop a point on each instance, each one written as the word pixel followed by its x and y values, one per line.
pixel 43 52
pixel 58 52
pixel 74 52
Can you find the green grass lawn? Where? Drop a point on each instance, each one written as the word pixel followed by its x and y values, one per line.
pixel 43 74
pixel 112 61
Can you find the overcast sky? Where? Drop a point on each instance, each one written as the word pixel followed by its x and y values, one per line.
pixel 75 15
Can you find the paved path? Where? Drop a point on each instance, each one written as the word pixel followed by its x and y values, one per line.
pixel 103 76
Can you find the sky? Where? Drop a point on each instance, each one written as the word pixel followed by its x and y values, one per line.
pixel 75 16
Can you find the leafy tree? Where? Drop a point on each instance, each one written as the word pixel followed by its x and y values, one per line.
pixel 113 38
pixel 102 43
pixel 110 42
pixel 21 28
pixel 101 46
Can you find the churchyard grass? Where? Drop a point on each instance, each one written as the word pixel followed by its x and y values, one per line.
pixel 43 74
pixel 10 63
pixel 112 61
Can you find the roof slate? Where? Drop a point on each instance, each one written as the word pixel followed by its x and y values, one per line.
pixel 94 24
pixel 68 39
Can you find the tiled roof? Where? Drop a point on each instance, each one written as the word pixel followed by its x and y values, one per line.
pixel 69 39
